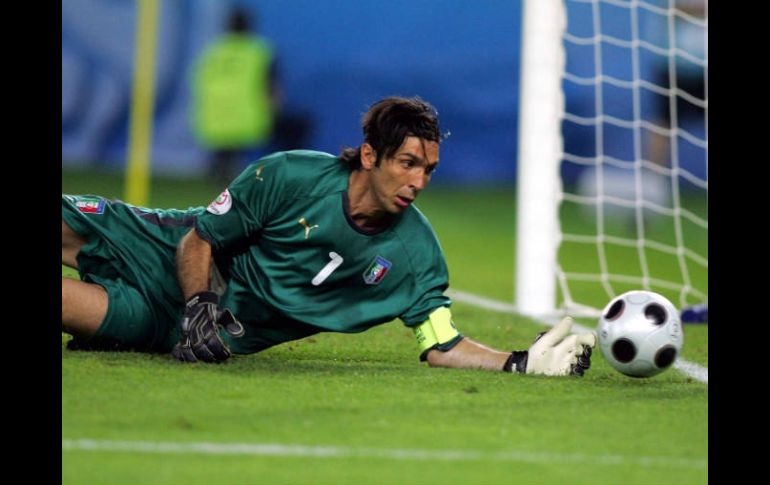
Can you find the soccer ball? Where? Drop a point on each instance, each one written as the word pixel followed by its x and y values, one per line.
pixel 640 333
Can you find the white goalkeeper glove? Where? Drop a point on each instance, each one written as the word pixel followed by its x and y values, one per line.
pixel 555 353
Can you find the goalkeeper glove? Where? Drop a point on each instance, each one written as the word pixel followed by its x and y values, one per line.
pixel 555 353
pixel 200 330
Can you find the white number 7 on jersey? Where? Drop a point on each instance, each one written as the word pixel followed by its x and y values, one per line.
pixel 328 269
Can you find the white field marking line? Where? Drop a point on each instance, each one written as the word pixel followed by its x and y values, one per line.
pixel 691 369
pixel 270 449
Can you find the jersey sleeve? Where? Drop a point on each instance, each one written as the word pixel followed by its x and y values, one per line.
pixel 429 317
pixel 431 281
pixel 244 208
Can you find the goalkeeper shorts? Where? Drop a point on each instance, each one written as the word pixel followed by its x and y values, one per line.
pixel 130 322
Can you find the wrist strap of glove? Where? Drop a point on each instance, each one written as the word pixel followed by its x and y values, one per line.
pixel 202 297
pixel 518 358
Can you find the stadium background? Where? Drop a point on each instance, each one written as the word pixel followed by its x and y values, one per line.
pixel 336 58
pixel 365 396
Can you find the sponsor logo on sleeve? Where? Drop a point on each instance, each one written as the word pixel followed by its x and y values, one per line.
pixel 222 204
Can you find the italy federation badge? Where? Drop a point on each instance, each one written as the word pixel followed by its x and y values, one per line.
pixel 90 204
pixel 376 271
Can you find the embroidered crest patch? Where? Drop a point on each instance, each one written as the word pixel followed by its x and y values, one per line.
pixel 90 204
pixel 222 204
pixel 376 270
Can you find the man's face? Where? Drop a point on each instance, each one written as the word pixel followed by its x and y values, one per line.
pixel 398 180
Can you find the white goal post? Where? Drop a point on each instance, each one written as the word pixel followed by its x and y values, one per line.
pixel 541 106
pixel 621 175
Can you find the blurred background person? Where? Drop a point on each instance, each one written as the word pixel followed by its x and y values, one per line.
pixel 688 76
pixel 237 100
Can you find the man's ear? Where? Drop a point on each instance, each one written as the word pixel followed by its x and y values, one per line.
pixel 368 156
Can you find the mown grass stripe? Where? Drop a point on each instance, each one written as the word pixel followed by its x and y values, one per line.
pixel 284 450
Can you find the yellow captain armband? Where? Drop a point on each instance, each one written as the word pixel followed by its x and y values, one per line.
pixel 438 331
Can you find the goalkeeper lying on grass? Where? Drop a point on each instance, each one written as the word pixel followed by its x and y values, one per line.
pixel 301 242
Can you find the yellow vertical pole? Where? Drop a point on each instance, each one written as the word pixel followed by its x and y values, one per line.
pixel 140 123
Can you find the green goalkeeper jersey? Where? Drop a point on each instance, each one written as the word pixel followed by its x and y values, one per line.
pixel 291 255
pixel 289 261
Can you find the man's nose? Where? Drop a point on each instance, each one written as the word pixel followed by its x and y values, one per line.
pixel 420 180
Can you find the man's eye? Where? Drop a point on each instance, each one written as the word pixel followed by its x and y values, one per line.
pixel 407 163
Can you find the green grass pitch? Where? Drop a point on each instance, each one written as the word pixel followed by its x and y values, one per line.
pixel 361 409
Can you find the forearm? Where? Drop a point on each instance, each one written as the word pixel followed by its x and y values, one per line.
pixel 468 354
pixel 193 263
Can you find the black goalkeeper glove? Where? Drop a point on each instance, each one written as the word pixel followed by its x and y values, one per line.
pixel 555 353
pixel 200 330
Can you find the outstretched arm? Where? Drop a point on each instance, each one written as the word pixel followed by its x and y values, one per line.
pixel 555 352
pixel 468 354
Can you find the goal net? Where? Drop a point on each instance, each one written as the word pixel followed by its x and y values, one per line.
pixel 628 107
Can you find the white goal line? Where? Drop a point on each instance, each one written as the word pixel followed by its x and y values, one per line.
pixel 690 369
pixel 284 450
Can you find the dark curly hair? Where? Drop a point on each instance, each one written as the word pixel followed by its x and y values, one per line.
pixel 388 122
